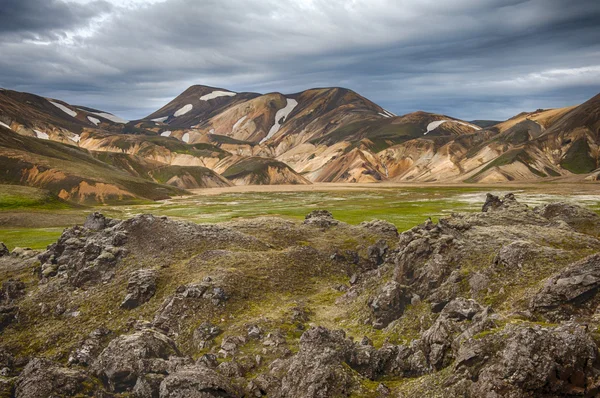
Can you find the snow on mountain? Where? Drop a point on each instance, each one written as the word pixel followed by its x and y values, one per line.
pixel 186 138
pixel 111 117
pixel 41 135
pixel 5 125
pixel 94 120
pixel 160 119
pixel 183 110
pixel 239 122
pixel 64 109
pixel 281 115
pixel 217 94
pixel 166 133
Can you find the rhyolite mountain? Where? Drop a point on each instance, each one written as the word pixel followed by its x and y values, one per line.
pixel 318 135
pixel 500 303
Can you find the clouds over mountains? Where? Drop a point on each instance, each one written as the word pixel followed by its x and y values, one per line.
pixel 467 58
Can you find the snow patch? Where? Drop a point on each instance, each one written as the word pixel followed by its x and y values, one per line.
pixel 41 135
pixel 434 125
pixel 212 131
pixel 186 138
pixel 75 138
pixel 281 114
pixel 185 109
pixel 217 94
pixel 389 113
pixel 63 108
pixel 160 119
pixel 166 134
pixel 110 116
pixel 385 115
pixel 5 125
pixel 238 123
pixel 94 120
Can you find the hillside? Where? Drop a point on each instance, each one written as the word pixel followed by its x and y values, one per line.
pixel 502 300
pixel 324 135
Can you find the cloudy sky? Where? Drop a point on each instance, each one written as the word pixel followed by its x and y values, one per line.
pixel 484 59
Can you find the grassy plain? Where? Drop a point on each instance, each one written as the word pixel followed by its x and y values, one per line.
pixel 31 218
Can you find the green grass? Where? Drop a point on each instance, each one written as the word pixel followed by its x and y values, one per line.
pixel 578 159
pixel 22 197
pixel 404 207
pixel 34 238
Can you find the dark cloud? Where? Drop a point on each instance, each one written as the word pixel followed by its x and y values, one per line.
pixel 40 19
pixel 466 58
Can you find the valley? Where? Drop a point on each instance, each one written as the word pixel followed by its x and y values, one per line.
pixel 27 220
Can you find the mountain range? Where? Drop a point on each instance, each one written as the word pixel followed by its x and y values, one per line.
pixel 212 137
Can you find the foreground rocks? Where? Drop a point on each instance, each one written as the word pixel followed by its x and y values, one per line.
pixel 500 303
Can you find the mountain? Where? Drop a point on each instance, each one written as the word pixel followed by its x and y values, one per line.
pixel 319 135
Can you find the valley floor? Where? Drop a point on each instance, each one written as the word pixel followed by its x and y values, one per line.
pixel 25 222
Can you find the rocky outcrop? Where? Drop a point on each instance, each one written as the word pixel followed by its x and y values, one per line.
pixel 577 217
pixel 196 382
pixel 42 378
pixel 389 304
pixel 524 361
pixel 572 291
pixel 128 357
pixel 189 299
pixel 320 219
pixel 85 255
pixel 318 369
pixel 140 288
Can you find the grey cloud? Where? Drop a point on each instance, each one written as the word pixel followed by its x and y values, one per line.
pixel 40 19
pixel 466 58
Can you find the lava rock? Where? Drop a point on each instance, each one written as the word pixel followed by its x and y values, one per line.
pixel 140 288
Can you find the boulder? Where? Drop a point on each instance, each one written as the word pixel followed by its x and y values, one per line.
pixel 389 304
pixel 320 219
pixel 380 227
pixel 318 369
pixel 376 253
pixel 140 288
pixel 579 218
pixel 196 382
pixel 570 291
pixel 526 361
pixel 121 363
pixel 42 378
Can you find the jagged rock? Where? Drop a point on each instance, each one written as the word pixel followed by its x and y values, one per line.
pixel 230 369
pixel 492 202
pixel 577 217
pixel 318 369
pixel 188 299
pixel 204 335
pixel 458 321
pixel 320 218
pixel 572 289
pixel 389 304
pixel 89 349
pixel 230 345
pixel 524 361
pixel 120 363
pixel 96 222
pixel 254 332
pixel 42 378
pixel 380 227
pixel 208 360
pixel 196 382
pixel 4 250
pixel 140 288
pixel 377 252
pixel 11 290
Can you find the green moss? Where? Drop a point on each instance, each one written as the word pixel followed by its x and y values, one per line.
pixel 578 159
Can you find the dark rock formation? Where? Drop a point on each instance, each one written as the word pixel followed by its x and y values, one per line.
pixel 140 288
pixel 42 378
pixel 320 219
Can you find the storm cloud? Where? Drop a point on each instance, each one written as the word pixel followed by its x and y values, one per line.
pixel 466 58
